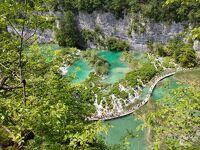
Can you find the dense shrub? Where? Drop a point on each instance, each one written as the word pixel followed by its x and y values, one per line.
pixel 115 44
pixel 186 56
pixel 93 36
pixel 183 53
pixel 160 50
pixel 145 73
pixel 100 65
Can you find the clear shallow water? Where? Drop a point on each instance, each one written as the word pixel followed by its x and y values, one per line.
pixel 117 68
pixel 123 126
pixel 80 69
pixel 165 87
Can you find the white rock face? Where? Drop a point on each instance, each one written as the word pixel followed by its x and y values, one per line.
pixel 110 26
pixel 158 32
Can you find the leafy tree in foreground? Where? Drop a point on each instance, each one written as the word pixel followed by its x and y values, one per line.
pixel 22 19
pixel 175 122
pixel 52 112
pixel 54 116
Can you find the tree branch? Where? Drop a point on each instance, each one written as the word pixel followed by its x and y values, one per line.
pixel 10 88
pixel 7 130
pixel 14 28
pixel 3 81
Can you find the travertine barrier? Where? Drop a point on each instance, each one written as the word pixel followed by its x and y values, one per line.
pixel 130 111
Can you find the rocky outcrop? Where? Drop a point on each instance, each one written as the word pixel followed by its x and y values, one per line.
pixel 120 28
pixel 157 32
pixel 46 36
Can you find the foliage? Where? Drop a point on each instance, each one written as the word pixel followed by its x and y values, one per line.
pixel 55 110
pixel 129 58
pixel 89 5
pixel 168 62
pixel 160 50
pixel 186 56
pixel 157 10
pixel 93 36
pixel 196 33
pixel 117 7
pixel 182 53
pixel 52 112
pixel 174 123
pixel 19 17
pixel 69 55
pixel 115 44
pixel 67 33
pixel 145 73
pixel 189 77
pixel 100 65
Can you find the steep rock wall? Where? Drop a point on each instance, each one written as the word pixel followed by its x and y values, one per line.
pixel 157 32
pixel 111 27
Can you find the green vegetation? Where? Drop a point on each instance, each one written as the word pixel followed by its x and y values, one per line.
pixel 189 77
pixel 186 56
pixel 174 122
pixel 182 53
pixel 131 60
pixel 95 36
pixel 100 65
pixel 146 72
pixel 158 10
pixel 39 108
pixel 48 117
pixel 67 33
pixel 115 44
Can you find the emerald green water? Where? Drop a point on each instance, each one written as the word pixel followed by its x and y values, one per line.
pixel 123 126
pixel 117 68
pixel 164 88
pixel 80 69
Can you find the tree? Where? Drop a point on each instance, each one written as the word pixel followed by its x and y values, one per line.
pixel 52 113
pixel 19 18
pixel 67 34
pixel 175 121
pixel 187 10
pixel 114 44
pixel 186 56
pixel 54 116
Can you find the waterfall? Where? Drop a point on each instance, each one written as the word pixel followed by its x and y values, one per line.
pixel 99 107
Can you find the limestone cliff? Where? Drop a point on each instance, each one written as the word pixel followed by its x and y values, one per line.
pixel 122 29
pixel 157 32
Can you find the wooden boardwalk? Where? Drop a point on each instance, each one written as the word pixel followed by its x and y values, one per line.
pixel 130 111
